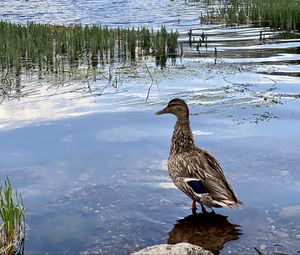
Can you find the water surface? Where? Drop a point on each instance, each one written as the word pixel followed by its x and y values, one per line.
pixel 90 158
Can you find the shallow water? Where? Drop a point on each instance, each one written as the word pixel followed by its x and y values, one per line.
pixel 101 180
pixel 89 158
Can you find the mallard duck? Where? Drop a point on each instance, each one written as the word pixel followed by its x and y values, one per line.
pixel 193 170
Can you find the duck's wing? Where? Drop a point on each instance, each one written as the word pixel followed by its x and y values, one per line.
pixel 205 175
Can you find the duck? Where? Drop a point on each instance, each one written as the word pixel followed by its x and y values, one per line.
pixel 194 170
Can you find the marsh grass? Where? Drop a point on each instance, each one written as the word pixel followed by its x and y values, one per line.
pixel 52 49
pixel 12 221
pixel 74 52
pixel 277 14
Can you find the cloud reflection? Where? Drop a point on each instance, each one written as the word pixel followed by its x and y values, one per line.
pixel 121 135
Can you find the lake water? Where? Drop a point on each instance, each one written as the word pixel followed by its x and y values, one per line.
pixel 90 158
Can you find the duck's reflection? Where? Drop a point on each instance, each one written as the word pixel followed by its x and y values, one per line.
pixel 210 231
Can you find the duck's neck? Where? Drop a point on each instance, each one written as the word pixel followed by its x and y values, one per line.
pixel 182 140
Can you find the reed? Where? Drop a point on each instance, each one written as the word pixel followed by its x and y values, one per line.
pixel 277 14
pixel 57 49
pixel 12 228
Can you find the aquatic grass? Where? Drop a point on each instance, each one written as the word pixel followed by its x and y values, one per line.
pixel 277 14
pixel 12 228
pixel 62 49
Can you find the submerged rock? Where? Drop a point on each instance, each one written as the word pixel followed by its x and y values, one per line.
pixel 169 249
pixel 282 235
pixel 263 247
pixel 290 212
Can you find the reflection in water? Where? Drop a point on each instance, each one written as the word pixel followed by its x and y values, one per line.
pixel 210 231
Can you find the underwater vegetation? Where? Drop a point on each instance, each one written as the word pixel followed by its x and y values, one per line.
pixel 12 221
pixel 60 49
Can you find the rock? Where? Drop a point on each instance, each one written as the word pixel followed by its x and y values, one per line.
pixel 263 247
pixel 282 235
pixel 169 249
pixel 290 212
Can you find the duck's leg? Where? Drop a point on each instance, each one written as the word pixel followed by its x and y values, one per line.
pixel 194 207
pixel 194 204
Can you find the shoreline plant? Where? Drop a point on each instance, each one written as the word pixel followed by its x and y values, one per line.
pixel 12 221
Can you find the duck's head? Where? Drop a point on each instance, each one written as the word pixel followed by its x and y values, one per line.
pixel 178 107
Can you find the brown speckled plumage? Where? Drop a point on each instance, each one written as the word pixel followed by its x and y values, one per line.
pixel 193 170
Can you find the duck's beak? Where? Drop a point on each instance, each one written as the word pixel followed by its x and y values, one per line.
pixel 165 110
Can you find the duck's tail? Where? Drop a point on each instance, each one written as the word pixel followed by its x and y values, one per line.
pixel 228 203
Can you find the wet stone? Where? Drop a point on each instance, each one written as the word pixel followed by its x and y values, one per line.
pixel 282 235
pixel 168 249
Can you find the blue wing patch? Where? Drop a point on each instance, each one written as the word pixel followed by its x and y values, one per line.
pixel 197 186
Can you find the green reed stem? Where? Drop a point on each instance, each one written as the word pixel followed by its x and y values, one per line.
pixel 52 48
pixel 12 220
pixel 277 14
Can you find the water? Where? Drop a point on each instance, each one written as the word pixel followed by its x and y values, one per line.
pixel 122 13
pixel 89 158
